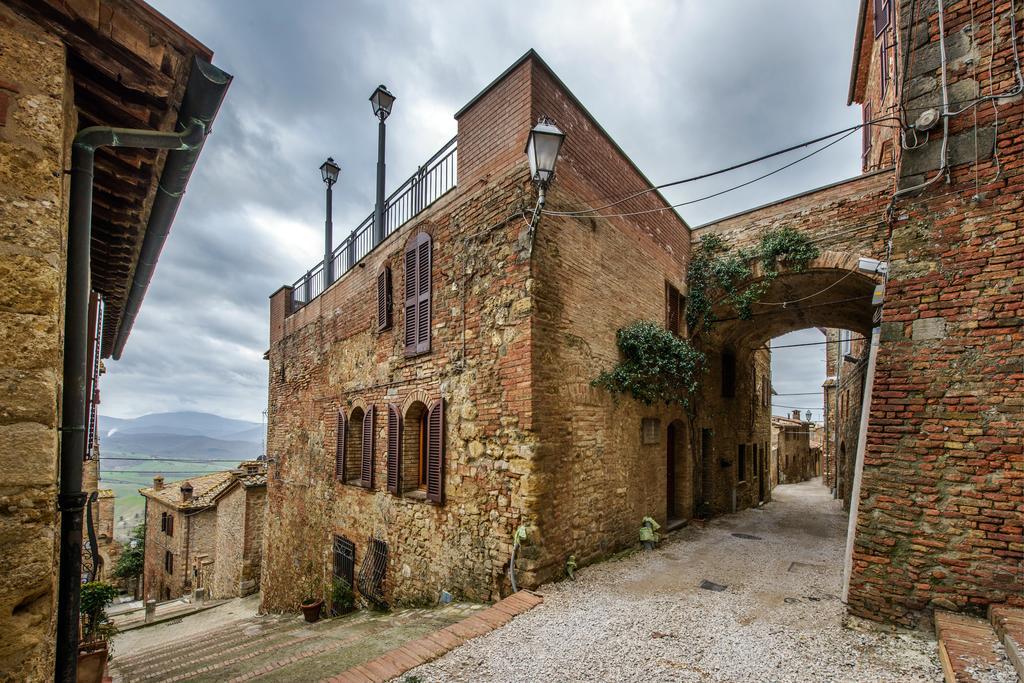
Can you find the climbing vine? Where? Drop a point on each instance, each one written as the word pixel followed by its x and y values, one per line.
pixel 656 365
pixel 717 271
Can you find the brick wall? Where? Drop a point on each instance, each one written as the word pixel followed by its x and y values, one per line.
pixel 36 122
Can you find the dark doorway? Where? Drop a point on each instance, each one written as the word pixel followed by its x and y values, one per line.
pixel 761 474
pixel 670 455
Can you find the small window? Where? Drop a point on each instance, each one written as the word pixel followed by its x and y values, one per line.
pixel 384 299
pixel 882 11
pixel 741 463
pixel 359 446
pixel 728 374
pixel 883 65
pixel 675 304
pixel 344 560
pixel 413 455
pixel 417 294
pixel 845 342
pixel 163 522
pixel 170 525
pixel 651 430
pixel 168 562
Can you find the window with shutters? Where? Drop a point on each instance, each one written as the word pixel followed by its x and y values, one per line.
pixel 416 312
pixel 882 11
pixel 168 562
pixel 883 65
pixel 163 522
pixel 435 448
pixel 170 525
pixel 384 299
pixel 359 447
pixel 413 470
pixel 728 374
pixel 675 308
pixel 741 463
pixel 340 445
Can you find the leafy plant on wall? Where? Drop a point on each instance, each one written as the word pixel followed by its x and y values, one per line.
pixel 656 366
pixel 717 271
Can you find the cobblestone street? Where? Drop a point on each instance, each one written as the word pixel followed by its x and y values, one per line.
pixel 645 618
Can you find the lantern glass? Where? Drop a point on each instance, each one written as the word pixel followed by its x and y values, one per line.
pixel 382 100
pixel 330 171
pixel 542 148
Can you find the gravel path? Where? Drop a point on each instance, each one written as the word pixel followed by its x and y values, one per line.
pixel 643 618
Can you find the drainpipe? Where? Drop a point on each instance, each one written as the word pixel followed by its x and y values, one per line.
pixel 71 500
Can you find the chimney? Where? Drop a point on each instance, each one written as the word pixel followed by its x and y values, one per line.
pixel 796 415
pixel 158 482
pixel 186 492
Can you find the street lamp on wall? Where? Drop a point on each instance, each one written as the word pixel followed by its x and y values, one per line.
pixel 542 146
pixel 381 100
pixel 330 172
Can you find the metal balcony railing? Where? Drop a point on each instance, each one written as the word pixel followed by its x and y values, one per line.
pixel 431 181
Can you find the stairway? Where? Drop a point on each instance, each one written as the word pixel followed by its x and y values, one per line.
pixel 976 651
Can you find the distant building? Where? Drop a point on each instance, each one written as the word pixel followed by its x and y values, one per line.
pixel 205 533
pixel 846 369
pixel 792 452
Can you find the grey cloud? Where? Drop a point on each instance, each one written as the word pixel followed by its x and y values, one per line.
pixel 683 87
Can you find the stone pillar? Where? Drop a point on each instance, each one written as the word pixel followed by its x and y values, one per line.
pixel 150 611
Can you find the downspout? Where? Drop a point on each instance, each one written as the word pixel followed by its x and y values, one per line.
pixel 71 499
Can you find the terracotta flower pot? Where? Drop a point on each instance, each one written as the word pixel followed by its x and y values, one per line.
pixel 92 660
pixel 311 611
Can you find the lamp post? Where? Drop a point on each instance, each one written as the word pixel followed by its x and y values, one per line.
pixel 330 172
pixel 381 100
pixel 542 145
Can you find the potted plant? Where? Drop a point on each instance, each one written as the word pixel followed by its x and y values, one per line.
pixel 97 630
pixel 343 600
pixel 312 604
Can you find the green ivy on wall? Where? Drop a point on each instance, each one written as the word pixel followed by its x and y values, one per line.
pixel 656 365
pixel 717 271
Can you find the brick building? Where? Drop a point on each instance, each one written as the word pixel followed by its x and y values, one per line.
pixel 795 459
pixel 846 356
pixel 70 295
pixel 205 533
pixel 405 455
pixel 516 322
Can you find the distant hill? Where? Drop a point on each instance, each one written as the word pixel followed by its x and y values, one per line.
pixel 176 446
pixel 193 423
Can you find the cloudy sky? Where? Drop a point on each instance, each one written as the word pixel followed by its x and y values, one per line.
pixel 684 87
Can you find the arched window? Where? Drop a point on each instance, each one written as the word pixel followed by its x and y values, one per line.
pixel 414 449
pixel 357 454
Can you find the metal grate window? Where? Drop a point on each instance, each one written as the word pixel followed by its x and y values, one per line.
pixel 344 560
pixel 373 570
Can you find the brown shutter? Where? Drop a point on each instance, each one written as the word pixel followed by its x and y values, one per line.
pixel 366 470
pixel 410 298
pixel 384 299
pixel 423 268
pixel 170 525
pixel 435 451
pixel 163 522
pixel 394 449
pixel 340 444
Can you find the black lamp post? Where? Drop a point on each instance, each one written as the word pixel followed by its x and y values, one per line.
pixel 382 101
pixel 330 172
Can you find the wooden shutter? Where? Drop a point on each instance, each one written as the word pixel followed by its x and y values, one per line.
pixel 435 451
pixel 394 449
pixel 384 299
pixel 410 298
pixel 881 15
pixel 163 522
pixel 366 469
pixel 170 525
pixel 340 444
pixel 423 268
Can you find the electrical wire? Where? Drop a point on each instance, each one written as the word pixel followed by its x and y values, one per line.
pixel 158 460
pixel 727 169
pixel 818 343
pixel 784 304
pixel 706 197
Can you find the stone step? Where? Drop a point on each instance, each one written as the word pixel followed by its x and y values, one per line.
pixel 969 650
pixel 1009 625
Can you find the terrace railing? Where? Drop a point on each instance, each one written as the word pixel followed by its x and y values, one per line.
pixel 430 182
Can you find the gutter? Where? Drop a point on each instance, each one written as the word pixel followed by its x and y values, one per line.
pixel 204 93
pixel 71 500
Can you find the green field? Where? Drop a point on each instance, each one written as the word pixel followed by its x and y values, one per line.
pixel 125 478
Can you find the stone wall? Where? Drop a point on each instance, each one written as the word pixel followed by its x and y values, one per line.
pixel 36 122
pixel 255 518
pixel 940 521
pixel 156 582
